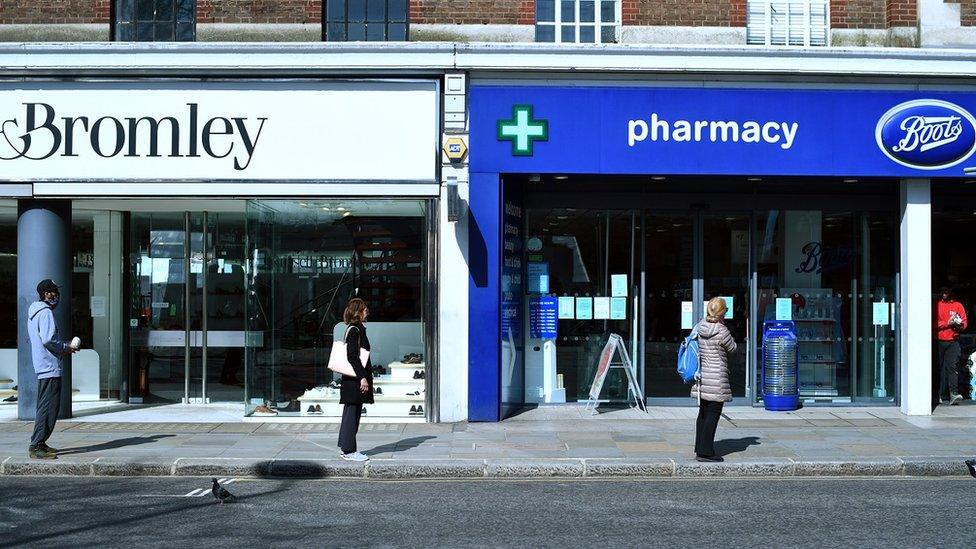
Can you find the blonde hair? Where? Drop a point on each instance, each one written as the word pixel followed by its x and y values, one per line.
pixel 715 310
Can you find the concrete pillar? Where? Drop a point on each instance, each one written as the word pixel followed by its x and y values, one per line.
pixel 43 251
pixel 915 322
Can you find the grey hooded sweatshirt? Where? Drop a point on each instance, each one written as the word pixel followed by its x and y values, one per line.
pixel 46 345
pixel 715 343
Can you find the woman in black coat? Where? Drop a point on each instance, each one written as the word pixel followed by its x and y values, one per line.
pixel 358 390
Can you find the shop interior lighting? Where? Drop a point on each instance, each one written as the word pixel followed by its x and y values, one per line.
pixel 850 180
pixel 561 177
pixel 754 179
pixel 658 178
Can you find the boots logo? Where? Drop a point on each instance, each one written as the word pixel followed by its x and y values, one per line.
pixel 41 132
pixel 927 134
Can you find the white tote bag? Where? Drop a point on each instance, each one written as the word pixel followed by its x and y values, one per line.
pixel 339 361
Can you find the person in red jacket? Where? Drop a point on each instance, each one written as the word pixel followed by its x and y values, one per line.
pixel 949 321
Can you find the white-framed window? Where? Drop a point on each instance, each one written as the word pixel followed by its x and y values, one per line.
pixel 788 22
pixel 577 21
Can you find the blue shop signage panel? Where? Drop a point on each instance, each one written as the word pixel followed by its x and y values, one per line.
pixel 721 131
pixel 543 317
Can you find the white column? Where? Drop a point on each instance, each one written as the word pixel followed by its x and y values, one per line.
pixel 453 279
pixel 915 339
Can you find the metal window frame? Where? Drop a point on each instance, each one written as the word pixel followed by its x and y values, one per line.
pixel 557 23
pixel 345 21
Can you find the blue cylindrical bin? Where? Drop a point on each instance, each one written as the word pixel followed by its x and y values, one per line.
pixel 780 366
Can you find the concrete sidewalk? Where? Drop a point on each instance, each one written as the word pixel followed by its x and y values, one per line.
pixel 546 442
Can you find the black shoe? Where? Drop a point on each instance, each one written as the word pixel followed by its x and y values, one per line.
pixel 364 411
pixel 11 399
pixel 423 374
pixel 709 459
pixel 416 374
pixel 377 390
pixel 318 409
pixel 413 410
pixel 311 409
pixel 420 410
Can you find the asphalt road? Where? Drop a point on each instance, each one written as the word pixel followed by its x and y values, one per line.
pixel 163 512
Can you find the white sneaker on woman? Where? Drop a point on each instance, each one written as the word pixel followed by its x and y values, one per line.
pixel 355 456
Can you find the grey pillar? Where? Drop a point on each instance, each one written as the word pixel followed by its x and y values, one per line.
pixel 43 251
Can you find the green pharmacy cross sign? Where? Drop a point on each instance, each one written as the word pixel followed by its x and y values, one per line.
pixel 523 130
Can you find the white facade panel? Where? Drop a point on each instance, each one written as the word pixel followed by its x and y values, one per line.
pixel 219 131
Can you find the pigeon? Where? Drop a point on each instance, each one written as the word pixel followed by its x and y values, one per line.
pixel 971 463
pixel 220 492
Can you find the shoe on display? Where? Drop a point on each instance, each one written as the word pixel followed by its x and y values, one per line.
pixel 318 409
pixel 364 411
pixel 355 456
pixel 378 391
pixel 416 374
pixel 954 400
pixel 263 411
pixel 423 374
pixel 420 410
pixel 414 393
pixel 335 385
pixel 413 410
pixel 11 399
pixel 311 409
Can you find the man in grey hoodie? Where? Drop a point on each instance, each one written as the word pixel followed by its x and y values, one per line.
pixel 47 348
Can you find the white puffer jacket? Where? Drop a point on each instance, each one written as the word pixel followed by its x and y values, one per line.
pixel 715 343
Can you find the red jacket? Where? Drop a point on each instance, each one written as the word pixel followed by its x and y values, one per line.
pixel 943 332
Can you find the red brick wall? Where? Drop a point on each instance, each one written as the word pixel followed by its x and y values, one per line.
pixel 259 11
pixel 858 14
pixel 902 13
pixel 473 12
pixel 22 12
pixel 968 9
pixel 690 13
pixel 208 11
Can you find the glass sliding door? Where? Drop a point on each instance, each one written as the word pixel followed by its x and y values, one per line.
pixel 589 260
pixel 875 371
pixel 669 272
pixel 809 257
pixel 726 270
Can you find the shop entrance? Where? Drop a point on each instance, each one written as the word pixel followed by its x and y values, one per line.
pixel 646 272
pixel 186 323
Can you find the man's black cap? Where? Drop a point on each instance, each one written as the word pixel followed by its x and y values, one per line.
pixel 47 285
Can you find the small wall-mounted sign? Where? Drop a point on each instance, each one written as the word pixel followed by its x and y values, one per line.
pixel 455 149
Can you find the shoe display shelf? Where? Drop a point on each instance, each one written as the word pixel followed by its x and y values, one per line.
pixel 392 402
pixel 406 372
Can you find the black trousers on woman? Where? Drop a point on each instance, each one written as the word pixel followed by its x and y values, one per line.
pixel 349 427
pixel 708 415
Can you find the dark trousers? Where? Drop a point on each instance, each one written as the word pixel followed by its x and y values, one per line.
pixel 48 406
pixel 949 352
pixel 349 427
pixel 708 415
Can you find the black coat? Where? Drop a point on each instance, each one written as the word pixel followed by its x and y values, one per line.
pixel 349 392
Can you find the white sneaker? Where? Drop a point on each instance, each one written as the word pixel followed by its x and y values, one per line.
pixel 355 456
pixel 954 399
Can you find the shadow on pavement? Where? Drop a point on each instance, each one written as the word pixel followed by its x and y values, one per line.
pixel 399 446
pixel 112 444
pixel 728 446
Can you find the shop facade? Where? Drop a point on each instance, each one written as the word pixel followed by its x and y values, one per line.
pixel 207 234
pixel 618 208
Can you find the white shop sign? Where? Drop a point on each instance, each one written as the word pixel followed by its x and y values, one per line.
pixel 224 131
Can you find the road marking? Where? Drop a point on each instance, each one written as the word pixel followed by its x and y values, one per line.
pixel 194 493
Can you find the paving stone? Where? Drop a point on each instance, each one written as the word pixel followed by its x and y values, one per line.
pixel 225 467
pixel 851 467
pixel 934 467
pixel 437 469
pixel 42 467
pixel 629 468
pixel 772 467
pixel 534 468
